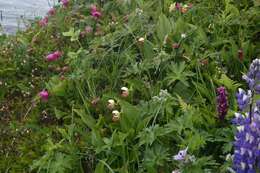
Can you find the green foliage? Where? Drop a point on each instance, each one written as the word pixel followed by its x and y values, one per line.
pixel 171 61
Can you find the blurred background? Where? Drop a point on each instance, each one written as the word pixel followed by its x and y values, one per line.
pixel 14 14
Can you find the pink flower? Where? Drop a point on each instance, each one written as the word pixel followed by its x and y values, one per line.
pixel 94 12
pixel 178 5
pixel 44 95
pixel 58 53
pixel 88 29
pixel 65 3
pixel 175 45
pixel 43 22
pixel 51 12
pixel 54 56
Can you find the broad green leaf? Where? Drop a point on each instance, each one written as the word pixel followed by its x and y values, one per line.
pixel 87 119
pixel 164 27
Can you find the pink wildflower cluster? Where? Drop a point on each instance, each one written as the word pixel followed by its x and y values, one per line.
pixel 54 56
pixel 44 21
pixel 51 12
pixel 65 3
pixel 183 8
pixel 86 31
pixel 95 12
pixel 44 95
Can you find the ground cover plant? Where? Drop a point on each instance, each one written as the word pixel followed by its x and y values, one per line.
pixel 132 86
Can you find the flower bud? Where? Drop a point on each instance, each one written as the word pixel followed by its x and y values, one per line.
pixel 95 101
pixel 175 45
pixel 44 95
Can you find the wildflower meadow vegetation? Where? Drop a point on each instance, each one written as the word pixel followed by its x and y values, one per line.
pixel 133 86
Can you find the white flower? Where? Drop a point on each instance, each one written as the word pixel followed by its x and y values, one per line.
pixel 183 35
pixel 139 11
pixel 141 40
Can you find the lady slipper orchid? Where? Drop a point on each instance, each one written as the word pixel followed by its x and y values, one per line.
pixel 115 116
pixel 124 92
pixel 184 8
pixel 141 40
pixel 240 54
pixel 44 95
pixel 111 104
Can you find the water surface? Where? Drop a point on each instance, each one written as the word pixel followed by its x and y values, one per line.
pixel 16 12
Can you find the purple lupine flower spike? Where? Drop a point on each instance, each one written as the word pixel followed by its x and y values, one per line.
pixel 222 102
pixel 253 74
pixel 247 138
pixel 243 99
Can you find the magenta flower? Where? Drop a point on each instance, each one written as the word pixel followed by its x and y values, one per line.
pixel 65 3
pixel 222 102
pixel 94 12
pixel 44 95
pixel 178 6
pixel 43 22
pixel 54 56
pixel 51 12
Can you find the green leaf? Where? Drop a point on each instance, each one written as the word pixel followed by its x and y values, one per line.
pixel 229 83
pixel 57 87
pixel 74 35
pixel 100 168
pixel 87 119
pixel 177 72
pixel 163 27
pixel 59 114
pixel 131 116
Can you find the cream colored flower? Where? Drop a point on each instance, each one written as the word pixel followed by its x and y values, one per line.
pixel 115 116
pixel 111 104
pixel 124 92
